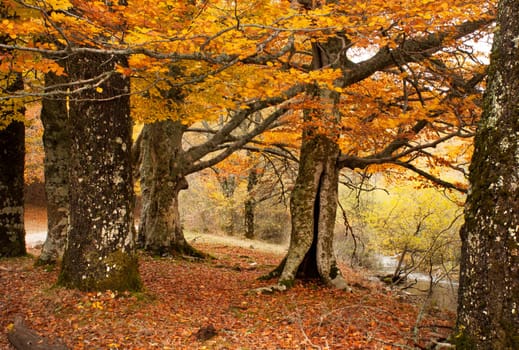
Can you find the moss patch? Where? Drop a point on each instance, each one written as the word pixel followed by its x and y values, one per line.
pixel 118 271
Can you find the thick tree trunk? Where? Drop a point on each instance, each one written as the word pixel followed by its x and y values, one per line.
pixel 314 199
pixel 100 254
pixel 56 142
pixel 160 230
pixel 313 209
pixel 488 305
pixel 12 152
pixel 12 162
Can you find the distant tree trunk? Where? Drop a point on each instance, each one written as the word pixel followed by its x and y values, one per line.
pixel 250 203
pixel 12 162
pixel 228 185
pixel 100 254
pixel 56 142
pixel 488 304
pixel 160 230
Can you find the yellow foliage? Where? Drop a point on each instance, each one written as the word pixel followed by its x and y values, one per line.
pixel 423 221
pixel 189 62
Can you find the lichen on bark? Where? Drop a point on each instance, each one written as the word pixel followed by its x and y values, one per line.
pixel 100 250
pixel 488 317
pixel 313 210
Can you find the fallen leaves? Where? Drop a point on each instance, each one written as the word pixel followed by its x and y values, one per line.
pixel 208 305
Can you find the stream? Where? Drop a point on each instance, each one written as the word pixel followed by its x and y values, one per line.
pixel 444 292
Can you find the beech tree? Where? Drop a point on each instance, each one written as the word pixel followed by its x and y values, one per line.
pixel 12 153
pixel 165 163
pixel 12 145
pixel 100 247
pixel 332 140
pixel 100 252
pixel 488 314
pixel 268 57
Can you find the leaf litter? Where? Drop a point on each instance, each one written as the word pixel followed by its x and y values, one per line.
pixel 210 305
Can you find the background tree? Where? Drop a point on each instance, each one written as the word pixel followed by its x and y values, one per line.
pixel 177 162
pixel 488 315
pixel 56 141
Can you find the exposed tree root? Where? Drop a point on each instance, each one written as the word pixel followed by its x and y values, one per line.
pixel 184 250
pixel 274 273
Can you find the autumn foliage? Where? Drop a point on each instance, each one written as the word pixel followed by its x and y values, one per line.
pixel 405 79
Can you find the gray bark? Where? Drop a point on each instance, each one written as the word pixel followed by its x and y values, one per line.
pixel 314 198
pixel 12 162
pixel 313 208
pixel 56 142
pixel 100 254
pixel 160 229
pixel 162 154
pixel 488 304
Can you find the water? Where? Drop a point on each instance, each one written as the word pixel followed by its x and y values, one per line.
pixel 444 291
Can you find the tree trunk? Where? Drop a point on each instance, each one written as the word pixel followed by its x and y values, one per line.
pixel 12 162
pixel 160 230
pixel 56 142
pixel 250 203
pixel 488 304
pixel 100 254
pixel 313 203
pixel 313 209
pixel 228 185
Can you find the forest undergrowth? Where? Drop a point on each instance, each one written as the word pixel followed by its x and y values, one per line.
pixel 211 304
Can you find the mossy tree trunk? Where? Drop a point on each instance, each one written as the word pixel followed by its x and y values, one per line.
pixel 12 152
pixel 313 208
pixel 160 229
pixel 56 142
pixel 313 203
pixel 100 254
pixel 12 157
pixel 12 163
pixel 488 305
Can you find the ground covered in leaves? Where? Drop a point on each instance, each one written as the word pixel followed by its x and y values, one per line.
pixel 210 305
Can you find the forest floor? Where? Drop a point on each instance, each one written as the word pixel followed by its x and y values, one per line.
pixel 212 305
